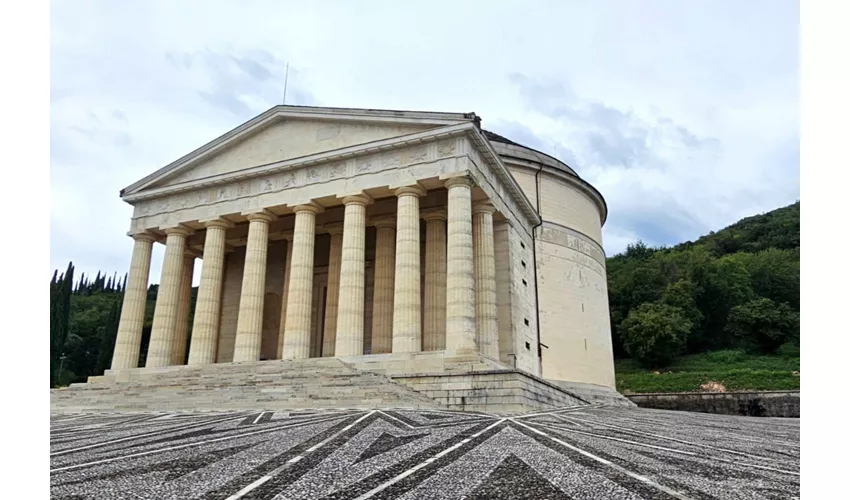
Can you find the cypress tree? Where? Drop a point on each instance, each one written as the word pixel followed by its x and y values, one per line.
pixel 107 342
pixel 60 312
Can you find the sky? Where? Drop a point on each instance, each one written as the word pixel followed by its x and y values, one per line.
pixel 684 115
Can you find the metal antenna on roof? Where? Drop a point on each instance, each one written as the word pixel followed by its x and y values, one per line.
pixel 285 81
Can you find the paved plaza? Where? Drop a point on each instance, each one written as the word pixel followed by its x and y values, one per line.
pixel 587 452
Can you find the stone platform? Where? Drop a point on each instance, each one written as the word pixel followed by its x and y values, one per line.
pixel 468 382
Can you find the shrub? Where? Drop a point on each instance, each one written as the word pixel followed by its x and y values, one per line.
pixel 654 334
pixel 764 323
pixel 726 356
pixel 789 350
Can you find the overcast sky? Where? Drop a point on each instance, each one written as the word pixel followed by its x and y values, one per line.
pixel 683 114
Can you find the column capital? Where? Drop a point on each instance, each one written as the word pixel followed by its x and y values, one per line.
pixel 483 207
pixel 143 236
pixel 412 190
pixel 217 222
pixel 434 214
pixel 333 228
pixel 357 199
pixel 179 229
pixel 311 207
pixel 261 215
pixel 458 181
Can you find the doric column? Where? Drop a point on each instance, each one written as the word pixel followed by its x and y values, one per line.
pixel 286 271
pixel 434 305
pixel 161 347
pixel 182 331
pixel 129 338
pixel 249 324
pixel 208 306
pixel 486 310
pixel 352 278
pixel 332 300
pixel 300 295
pixel 407 315
pixel 460 279
pixel 382 301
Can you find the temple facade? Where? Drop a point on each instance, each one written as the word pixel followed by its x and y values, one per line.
pixel 328 232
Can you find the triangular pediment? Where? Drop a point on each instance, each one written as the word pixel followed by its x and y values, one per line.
pixel 285 133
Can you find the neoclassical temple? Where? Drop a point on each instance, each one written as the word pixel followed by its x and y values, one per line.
pixel 349 232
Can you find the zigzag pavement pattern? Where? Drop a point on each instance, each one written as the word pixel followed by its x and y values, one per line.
pixel 579 452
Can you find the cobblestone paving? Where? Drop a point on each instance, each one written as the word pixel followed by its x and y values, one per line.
pixel 587 452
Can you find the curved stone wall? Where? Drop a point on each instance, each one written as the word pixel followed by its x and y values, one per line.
pixel 571 279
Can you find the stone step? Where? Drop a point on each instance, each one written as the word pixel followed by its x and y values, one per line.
pixel 323 383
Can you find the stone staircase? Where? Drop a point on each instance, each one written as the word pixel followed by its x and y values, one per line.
pixel 264 385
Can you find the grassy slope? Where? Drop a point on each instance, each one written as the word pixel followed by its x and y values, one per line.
pixel 735 370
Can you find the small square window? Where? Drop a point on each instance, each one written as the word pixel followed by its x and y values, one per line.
pixel 522 244
pixel 526 322
pixel 528 346
pixel 522 262
pixel 524 282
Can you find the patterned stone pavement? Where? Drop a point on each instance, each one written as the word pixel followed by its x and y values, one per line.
pixel 587 452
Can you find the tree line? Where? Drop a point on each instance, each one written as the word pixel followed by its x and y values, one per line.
pixel 738 288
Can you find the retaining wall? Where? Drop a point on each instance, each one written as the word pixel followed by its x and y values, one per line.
pixel 752 404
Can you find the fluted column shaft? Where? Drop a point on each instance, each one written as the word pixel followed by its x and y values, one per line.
pixel 352 278
pixel 407 313
pixel 460 278
pixel 129 338
pixel 161 347
pixel 249 324
pixel 332 300
pixel 383 292
pixel 182 331
pixel 202 349
pixel 486 309
pixel 299 301
pixel 284 297
pixel 434 305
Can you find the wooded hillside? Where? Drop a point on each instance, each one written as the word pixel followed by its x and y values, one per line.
pixel 738 288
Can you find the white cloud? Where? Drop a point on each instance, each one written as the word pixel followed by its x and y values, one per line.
pixel 683 114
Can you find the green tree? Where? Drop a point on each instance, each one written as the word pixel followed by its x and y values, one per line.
pixel 60 310
pixel 764 325
pixel 107 339
pixel 723 284
pixel 775 274
pixel 682 294
pixel 654 333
